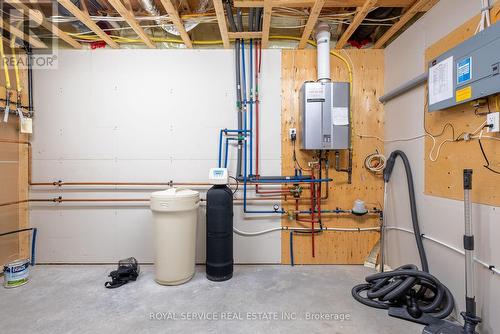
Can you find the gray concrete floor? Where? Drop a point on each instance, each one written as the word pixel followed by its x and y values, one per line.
pixel 72 299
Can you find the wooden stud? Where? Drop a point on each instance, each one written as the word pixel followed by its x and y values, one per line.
pixel 130 18
pixel 176 20
pixel 32 40
pixel 85 19
pixel 39 18
pixel 221 20
pixel 410 13
pixel 311 22
pixel 266 22
pixel 358 19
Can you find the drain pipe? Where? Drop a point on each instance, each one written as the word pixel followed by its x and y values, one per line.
pixel 239 104
pixel 405 87
pixel 323 51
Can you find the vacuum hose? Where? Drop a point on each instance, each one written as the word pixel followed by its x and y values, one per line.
pixel 420 295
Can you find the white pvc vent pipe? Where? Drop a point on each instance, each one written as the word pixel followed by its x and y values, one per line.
pixel 323 49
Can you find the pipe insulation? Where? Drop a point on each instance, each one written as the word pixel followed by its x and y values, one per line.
pixel 150 7
pixel 404 88
pixel 323 51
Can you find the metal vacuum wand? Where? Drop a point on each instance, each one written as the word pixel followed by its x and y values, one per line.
pixel 471 320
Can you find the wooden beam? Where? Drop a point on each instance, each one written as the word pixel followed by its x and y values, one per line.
pixel 32 40
pixel 311 22
pixel 130 18
pixel 221 20
pixel 245 34
pixel 176 20
pixel 6 41
pixel 328 3
pixel 402 21
pixel 39 18
pixel 266 22
pixel 85 19
pixel 356 21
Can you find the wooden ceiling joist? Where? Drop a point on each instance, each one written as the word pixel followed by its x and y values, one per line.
pixel 266 22
pixel 356 21
pixel 132 22
pixel 176 20
pixel 311 22
pixel 407 16
pixel 221 20
pixel 85 19
pixel 39 18
pixel 32 40
pixel 245 34
pixel 328 3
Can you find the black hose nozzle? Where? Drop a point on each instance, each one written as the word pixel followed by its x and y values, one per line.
pixel 389 166
pixel 467 179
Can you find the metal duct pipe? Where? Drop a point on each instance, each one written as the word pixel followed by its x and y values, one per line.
pixel 150 7
pixel 405 87
pixel 323 49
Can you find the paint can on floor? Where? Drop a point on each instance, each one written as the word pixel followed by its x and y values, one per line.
pixel 16 273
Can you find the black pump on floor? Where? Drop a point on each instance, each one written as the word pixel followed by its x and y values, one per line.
pixel 128 270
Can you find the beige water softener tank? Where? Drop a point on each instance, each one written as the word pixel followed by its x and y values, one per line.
pixel 175 213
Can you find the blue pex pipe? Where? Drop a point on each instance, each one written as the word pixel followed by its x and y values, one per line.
pixel 227 150
pixel 221 135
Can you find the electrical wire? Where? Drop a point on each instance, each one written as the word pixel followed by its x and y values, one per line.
pixel 487 165
pixel 375 162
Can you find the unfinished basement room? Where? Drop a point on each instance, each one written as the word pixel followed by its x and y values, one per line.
pixel 250 166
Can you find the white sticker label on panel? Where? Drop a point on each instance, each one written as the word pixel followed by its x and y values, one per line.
pixel 441 81
pixel 315 92
pixel 340 116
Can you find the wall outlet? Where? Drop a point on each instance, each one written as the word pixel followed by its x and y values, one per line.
pixel 493 122
pixel 292 133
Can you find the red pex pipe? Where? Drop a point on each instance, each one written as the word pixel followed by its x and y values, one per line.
pixel 313 192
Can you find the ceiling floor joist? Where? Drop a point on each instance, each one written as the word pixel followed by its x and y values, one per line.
pixel 132 22
pixel 407 16
pixel 221 20
pixel 311 22
pixel 328 3
pixel 266 22
pixel 39 18
pixel 32 40
pixel 356 21
pixel 85 19
pixel 176 20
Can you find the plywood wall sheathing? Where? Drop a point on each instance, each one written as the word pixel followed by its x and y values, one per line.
pixel 299 66
pixel 14 180
pixel 443 178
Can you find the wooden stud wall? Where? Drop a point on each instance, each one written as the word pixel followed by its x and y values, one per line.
pixel 13 178
pixel 444 177
pixel 299 66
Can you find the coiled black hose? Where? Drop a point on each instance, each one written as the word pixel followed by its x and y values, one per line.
pixel 407 286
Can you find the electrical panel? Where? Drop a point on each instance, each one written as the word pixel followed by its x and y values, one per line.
pixel 467 72
pixel 324 112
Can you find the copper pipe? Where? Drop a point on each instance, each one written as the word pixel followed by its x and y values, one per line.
pixel 13 203
pixel 62 183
